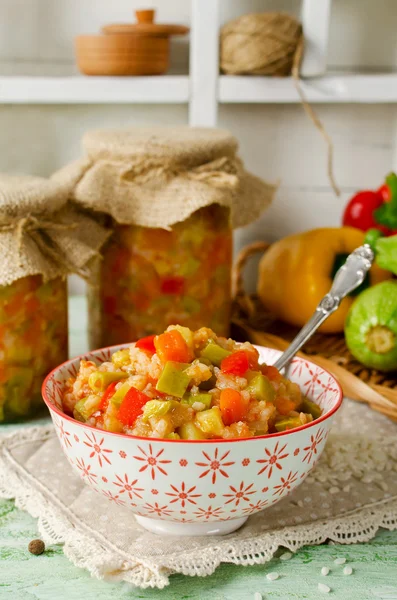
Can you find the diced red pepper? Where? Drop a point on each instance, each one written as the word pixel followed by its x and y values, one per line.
pixel 131 407
pixel 146 344
pixel 232 405
pixel 236 364
pixel 173 285
pixel 171 346
pixel 107 394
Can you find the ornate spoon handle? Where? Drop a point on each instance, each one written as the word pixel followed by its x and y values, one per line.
pixel 347 279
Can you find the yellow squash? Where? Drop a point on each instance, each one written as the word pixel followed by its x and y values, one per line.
pixel 296 272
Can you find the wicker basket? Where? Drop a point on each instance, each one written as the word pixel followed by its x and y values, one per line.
pixel 251 321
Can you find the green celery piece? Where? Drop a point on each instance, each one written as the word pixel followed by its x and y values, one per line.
pixel 173 381
pixel 214 353
pixel 261 388
pixel 99 380
pixel 310 408
pixel 210 421
pixel 205 399
pixel 189 431
pixel 156 408
pixel 287 423
pixel 120 393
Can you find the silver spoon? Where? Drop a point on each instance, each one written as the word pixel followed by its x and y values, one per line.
pixel 347 279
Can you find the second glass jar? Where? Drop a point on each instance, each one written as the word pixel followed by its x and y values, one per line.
pixel 150 278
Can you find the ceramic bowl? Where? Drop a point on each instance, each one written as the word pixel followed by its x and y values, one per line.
pixel 195 487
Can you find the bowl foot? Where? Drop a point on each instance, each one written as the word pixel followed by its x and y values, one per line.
pixel 190 529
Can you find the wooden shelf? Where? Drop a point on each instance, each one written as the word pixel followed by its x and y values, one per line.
pixel 166 89
pixel 329 89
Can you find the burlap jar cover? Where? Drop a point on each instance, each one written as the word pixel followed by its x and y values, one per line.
pixel 156 177
pixel 41 233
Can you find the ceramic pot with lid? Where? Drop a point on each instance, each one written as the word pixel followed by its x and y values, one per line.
pixel 141 48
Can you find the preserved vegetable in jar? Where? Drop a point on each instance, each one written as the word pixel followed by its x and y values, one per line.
pixel 172 197
pixel 43 238
pixel 152 278
pixel 33 341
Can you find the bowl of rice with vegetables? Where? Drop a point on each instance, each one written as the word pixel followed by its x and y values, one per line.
pixel 191 431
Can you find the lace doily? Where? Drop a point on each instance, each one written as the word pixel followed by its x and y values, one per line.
pixel 350 494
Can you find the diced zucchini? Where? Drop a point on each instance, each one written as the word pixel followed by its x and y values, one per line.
pixel 156 408
pixel 86 407
pixel 261 388
pixel 210 421
pixel 121 358
pixel 99 380
pixel 311 408
pixel 214 353
pixel 189 431
pixel 288 423
pixel 190 399
pixel 173 380
pixel 120 393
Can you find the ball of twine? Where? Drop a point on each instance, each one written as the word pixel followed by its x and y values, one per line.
pixel 270 44
pixel 260 44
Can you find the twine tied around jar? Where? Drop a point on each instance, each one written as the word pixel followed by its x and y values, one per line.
pixel 270 44
pixel 36 228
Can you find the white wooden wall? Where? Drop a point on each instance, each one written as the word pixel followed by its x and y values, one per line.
pixel 277 141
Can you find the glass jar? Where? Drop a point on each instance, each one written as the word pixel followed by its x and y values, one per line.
pixel 151 278
pixel 33 340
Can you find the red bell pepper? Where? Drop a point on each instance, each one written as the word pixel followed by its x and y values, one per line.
pixel 146 344
pixel 236 364
pixel 131 406
pixel 374 210
pixel 171 346
pixel 107 394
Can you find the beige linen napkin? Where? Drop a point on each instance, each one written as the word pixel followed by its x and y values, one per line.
pixel 350 494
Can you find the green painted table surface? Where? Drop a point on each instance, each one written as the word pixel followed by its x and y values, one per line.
pixel 52 577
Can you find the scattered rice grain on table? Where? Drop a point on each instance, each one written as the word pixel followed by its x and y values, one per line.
pixel 347 570
pixel 324 571
pixel 323 588
pixel 272 576
pixel 339 561
pixel 286 556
